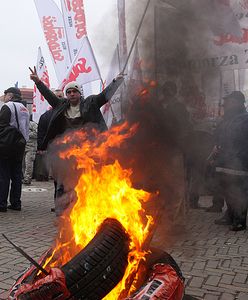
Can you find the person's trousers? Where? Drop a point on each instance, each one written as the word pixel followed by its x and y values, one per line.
pixel 234 189
pixel 10 171
pixel 218 198
pixel 29 157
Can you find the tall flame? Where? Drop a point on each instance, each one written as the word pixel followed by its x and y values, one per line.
pixel 104 190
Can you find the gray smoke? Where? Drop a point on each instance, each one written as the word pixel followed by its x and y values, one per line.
pixel 174 44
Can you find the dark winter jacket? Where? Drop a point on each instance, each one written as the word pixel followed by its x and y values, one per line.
pixel 42 128
pixel 89 109
pixel 233 143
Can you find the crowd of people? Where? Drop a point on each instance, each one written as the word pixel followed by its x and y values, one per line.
pixel 223 163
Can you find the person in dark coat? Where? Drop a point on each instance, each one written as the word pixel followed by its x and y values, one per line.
pixel 42 173
pixel 73 112
pixel 232 161
pixel 44 122
pixel 13 113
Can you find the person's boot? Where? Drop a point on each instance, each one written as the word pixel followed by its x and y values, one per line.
pixel 238 227
pixel 18 208
pixel 26 181
pixel 239 222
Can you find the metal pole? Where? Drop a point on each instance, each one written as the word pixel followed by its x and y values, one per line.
pixel 155 48
pixel 39 267
pixel 135 37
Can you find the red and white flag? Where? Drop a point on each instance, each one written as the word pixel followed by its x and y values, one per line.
pixel 40 105
pixel 53 27
pixel 75 24
pixel 122 32
pixel 84 68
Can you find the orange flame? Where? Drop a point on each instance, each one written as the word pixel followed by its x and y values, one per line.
pixel 104 190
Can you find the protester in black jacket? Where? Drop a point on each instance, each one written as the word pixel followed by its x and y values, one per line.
pixel 73 112
pixel 232 161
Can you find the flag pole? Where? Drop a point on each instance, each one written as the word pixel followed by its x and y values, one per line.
pixel 135 37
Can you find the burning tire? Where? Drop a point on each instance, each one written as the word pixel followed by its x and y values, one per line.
pixel 97 269
pixel 90 275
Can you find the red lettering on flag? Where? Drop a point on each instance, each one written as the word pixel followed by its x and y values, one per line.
pixel 79 18
pixel 68 4
pixel 52 35
pixel 77 69
pixel 232 39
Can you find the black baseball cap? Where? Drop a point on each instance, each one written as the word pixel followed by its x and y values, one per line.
pixel 237 95
pixel 13 90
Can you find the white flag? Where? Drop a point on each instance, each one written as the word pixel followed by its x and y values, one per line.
pixel 84 68
pixel 40 105
pixel 53 27
pixel 75 24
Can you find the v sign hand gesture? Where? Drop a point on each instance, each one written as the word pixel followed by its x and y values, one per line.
pixel 33 75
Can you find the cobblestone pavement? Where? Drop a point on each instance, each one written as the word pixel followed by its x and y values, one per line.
pixel 214 260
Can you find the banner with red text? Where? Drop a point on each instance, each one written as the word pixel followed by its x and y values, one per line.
pixel 53 27
pixel 75 24
pixel 218 44
pixel 84 68
pixel 40 105
pixel 122 32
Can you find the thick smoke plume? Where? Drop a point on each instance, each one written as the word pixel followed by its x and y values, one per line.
pixel 171 35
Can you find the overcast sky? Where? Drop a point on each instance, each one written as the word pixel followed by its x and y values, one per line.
pixel 21 35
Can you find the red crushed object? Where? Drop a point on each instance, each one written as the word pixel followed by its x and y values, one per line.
pixel 163 284
pixel 49 287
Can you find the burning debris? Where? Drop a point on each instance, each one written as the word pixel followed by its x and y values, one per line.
pixel 101 245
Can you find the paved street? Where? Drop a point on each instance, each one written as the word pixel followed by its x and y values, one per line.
pixel 214 260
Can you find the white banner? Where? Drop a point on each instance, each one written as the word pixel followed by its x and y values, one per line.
pixel 40 105
pixel 222 43
pixel 75 24
pixel 112 109
pixel 84 68
pixel 122 32
pixel 53 27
